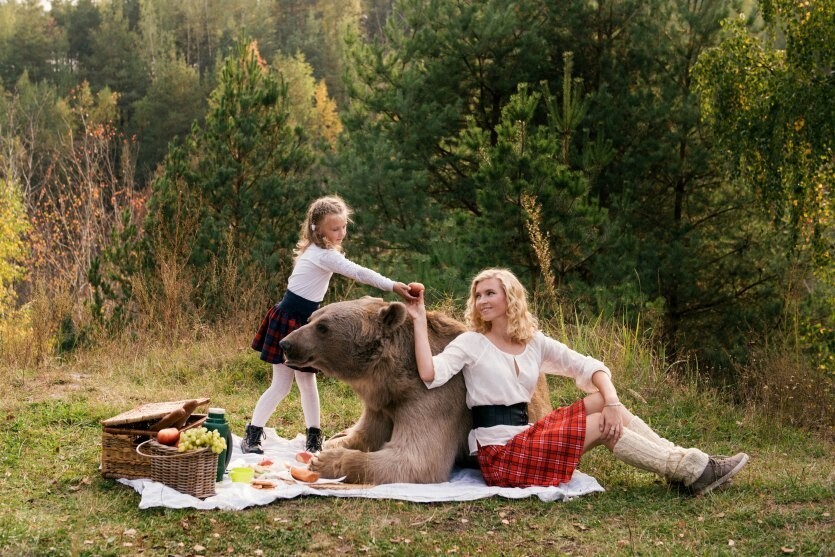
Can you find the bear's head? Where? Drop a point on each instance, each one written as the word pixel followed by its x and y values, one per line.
pixel 364 340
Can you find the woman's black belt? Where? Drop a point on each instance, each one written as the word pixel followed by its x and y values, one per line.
pixel 495 414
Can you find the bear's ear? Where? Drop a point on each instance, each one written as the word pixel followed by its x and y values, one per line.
pixel 392 316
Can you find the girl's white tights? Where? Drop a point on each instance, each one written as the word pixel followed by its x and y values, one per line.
pixel 280 388
pixel 309 394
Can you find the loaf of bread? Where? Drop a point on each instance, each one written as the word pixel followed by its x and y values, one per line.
pixel 304 475
pixel 177 418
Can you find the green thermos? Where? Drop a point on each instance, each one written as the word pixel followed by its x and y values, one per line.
pixel 217 421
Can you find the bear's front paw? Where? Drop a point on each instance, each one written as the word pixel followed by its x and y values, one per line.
pixel 328 463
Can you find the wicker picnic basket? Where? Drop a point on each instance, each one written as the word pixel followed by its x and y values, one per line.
pixel 191 472
pixel 123 433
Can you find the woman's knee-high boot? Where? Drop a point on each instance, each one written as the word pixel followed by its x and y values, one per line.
pixel 672 463
pixel 697 470
pixel 640 427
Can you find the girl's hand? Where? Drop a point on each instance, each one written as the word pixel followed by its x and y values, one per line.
pixel 611 426
pixel 402 290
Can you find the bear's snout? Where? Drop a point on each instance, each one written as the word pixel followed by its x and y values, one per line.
pixel 286 347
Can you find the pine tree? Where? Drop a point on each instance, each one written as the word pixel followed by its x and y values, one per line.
pixel 237 189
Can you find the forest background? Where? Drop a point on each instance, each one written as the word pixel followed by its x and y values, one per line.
pixel 660 163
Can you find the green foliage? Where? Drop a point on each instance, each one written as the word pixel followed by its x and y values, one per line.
pixel 634 205
pixel 13 246
pixel 526 159
pixel 772 112
pixel 308 101
pixel 315 29
pixel 112 273
pixel 442 70
pixel 771 109
pixel 113 62
pixel 175 99
pixel 29 41
pixel 239 184
pixel 79 19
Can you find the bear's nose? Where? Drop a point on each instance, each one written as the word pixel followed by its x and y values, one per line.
pixel 285 345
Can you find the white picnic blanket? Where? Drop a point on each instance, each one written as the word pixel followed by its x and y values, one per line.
pixel 463 485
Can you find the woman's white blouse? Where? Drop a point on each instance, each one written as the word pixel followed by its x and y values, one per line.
pixel 493 376
pixel 315 267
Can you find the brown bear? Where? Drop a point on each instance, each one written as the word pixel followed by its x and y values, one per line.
pixel 407 433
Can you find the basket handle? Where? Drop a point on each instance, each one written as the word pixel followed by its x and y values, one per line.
pixel 178 454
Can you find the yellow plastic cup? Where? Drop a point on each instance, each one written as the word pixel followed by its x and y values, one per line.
pixel 242 475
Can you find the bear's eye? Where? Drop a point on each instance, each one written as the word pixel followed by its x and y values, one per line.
pixel 321 328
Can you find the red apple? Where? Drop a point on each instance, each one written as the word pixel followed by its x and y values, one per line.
pixel 415 288
pixel 168 436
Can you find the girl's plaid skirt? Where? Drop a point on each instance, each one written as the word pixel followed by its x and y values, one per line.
pixel 545 454
pixel 277 324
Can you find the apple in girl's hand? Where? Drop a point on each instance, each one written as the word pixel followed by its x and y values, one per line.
pixel 415 288
pixel 168 436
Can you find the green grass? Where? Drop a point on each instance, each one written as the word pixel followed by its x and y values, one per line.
pixel 53 500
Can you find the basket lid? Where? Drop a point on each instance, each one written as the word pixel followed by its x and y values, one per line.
pixel 149 411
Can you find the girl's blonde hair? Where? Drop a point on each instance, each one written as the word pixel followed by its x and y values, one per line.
pixel 316 213
pixel 521 324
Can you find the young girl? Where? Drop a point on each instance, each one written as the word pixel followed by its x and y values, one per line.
pixel 501 358
pixel 318 257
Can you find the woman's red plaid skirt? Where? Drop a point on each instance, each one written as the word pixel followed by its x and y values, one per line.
pixel 545 454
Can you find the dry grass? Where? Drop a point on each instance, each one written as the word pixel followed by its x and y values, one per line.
pixel 785 388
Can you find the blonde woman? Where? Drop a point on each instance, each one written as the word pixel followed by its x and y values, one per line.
pixel 318 257
pixel 501 357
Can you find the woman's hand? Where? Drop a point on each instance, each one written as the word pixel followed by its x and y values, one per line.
pixel 611 426
pixel 416 308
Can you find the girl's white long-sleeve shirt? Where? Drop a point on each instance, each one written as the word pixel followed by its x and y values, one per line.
pixel 315 267
pixel 493 376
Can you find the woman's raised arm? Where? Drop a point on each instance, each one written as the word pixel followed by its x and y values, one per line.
pixel 423 352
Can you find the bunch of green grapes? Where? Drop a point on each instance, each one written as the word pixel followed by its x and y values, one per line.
pixel 200 437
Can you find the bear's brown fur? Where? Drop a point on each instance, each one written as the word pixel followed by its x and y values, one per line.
pixel 407 433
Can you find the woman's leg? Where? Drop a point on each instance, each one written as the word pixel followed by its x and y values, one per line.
pixel 594 436
pixel 695 469
pixel 642 453
pixel 594 403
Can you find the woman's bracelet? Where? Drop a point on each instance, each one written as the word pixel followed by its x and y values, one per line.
pixel 612 405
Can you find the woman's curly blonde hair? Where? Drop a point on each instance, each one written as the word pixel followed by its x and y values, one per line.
pixel 316 213
pixel 521 324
